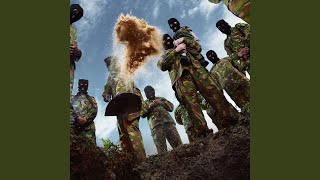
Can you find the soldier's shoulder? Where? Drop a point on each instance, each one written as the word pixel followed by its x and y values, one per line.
pixel 241 25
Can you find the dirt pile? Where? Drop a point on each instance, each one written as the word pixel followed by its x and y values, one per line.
pixel 222 156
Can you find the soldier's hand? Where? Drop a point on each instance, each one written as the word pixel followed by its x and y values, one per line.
pixel 81 120
pixel 244 52
pixel 106 97
pixel 74 51
pixel 178 41
pixel 180 47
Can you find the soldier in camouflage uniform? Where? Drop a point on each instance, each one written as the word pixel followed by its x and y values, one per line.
pixel 116 84
pixel 187 79
pixel 83 111
pixel 76 12
pixel 232 81
pixel 186 36
pixel 239 8
pixel 237 44
pixel 161 124
pixel 182 118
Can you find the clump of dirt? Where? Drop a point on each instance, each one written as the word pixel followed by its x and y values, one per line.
pixel 140 39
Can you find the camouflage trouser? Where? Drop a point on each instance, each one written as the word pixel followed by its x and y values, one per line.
pixel 165 131
pixel 135 138
pixel 239 91
pixel 89 132
pixel 245 13
pixel 191 134
pixel 200 79
pixel 71 79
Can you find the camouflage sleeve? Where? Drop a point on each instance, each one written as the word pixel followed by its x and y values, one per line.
pixel 228 48
pixel 75 43
pixel 167 60
pixel 178 114
pixel 245 29
pixel 108 87
pixel 73 113
pixel 215 1
pixel 167 105
pixel 191 43
pixel 144 109
pixel 94 109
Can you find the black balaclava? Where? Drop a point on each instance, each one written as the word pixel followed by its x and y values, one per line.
pixel 167 42
pixel 83 86
pixel 150 93
pixel 174 24
pixel 224 27
pixel 212 56
pixel 76 12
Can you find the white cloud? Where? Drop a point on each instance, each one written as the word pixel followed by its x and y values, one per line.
pixel 92 11
pixel 183 15
pixel 156 8
pixel 204 7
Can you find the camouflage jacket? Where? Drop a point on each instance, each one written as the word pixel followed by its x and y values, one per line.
pixel 83 105
pixel 73 41
pixel 116 85
pixel 193 47
pixel 239 8
pixel 182 117
pixel 239 38
pixel 225 72
pixel 170 61
pixel 158 114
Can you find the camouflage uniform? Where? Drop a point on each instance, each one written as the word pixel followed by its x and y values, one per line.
pixel 233 82
pixel 117 85
pixel 161 124
pixel 239 38
pixel 239 8
pixel 193 47
pixel 73 41
pixel 182 118
pixel 83 105
pixel 187 80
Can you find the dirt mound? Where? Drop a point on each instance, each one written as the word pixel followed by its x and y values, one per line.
pixel 224 155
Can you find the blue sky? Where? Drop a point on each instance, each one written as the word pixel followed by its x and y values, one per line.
pixel 95 39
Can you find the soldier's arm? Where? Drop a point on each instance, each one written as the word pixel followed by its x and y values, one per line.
pixel 94 109
pixel 77 58
pixel 167 104
pixel 144 109
pixel 167 60
pixel 177 115
pixel 107 88
pixel 245 29
pixel 191 43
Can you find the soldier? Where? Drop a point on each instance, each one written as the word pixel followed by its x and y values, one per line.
pixel 161 124
pixel 76 12
pixel 187 79
pixel 237 44
pixel 239 8
pixel 186 36
pixel 231 80
pixel 116 85
pixel 83 111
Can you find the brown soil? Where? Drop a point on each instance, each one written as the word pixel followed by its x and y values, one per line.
pixel 224 155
